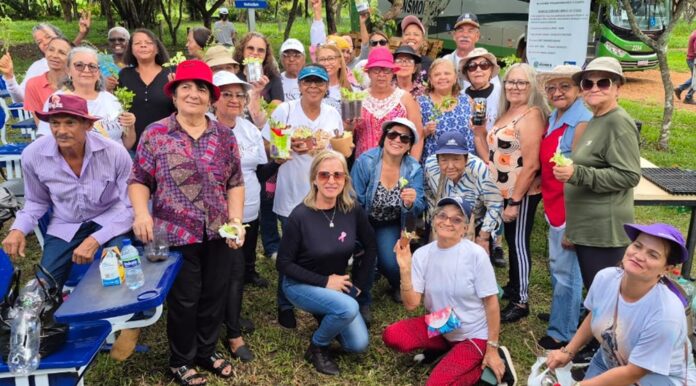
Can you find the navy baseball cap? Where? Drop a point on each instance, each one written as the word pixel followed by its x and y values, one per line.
pixel 467 18
pixel 313 70
pixel 451 142
pixel 458 201
pixel 663 231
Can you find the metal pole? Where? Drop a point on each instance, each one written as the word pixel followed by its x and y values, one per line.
pixel 251 19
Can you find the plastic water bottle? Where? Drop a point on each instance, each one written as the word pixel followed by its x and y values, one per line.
pixel 25 336
pixel 131 263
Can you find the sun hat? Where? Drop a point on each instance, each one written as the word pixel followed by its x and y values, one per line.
pixel 403 122
pixel 479 52
pixel 66 104
pixel 663 231
pixel 408 50
pixel 218 55
pixel 292 44
pixel 458 201
pixel 381 57
pixel 451 142
pixel 223 11
pixel 410 19
pixel 313 70
pixel 192 70
pixel 224 78
pixel 603 63
pixel 467 18
pixel 562 71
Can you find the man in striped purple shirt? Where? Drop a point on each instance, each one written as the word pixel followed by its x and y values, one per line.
pixel 80 175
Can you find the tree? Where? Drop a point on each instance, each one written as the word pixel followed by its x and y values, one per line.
pixel 330 16
pixel 659 45
pixel 207 13
pixel 166 8
pixel 395 9
pixel 108 14
pixel 136 13
pixel 291 19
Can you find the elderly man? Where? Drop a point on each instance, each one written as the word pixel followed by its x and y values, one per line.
pixel 450 172
pixel 84 184
pixel 292 56
pixel 223 29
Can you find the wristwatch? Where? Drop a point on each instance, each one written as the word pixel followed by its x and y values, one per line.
pixel 512 202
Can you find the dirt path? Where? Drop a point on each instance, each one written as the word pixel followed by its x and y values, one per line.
pixel 647 86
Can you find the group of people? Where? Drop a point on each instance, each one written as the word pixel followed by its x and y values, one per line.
pixel 445 148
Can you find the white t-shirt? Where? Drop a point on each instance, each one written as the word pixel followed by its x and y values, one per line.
pixel 651 332
pixel 104 106
pixel 252 153
pixel 458 277
pixel 223 32
pixel 464 84
pixel 293 176
pixel 291 87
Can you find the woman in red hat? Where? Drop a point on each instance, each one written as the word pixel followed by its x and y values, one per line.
pixel 190 167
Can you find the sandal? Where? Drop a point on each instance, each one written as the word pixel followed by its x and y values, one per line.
pixel 209 364
pixel 181 378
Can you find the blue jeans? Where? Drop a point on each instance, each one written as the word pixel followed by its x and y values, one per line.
pixel 283 302
pixel 270 238
pixel 387 234
pixel 687 84
pixel 341 320
pixel 566 284
pixel 57 253
pixel 597 367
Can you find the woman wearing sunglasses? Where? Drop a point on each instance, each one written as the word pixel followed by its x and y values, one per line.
pixel 86 81
pixel 389 185
pixel 513 145
pixel 638 315
pixel 606 167
pixel 318 240
pixel 479 68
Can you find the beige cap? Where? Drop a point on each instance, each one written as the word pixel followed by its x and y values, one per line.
pixel 563 71
pixel 478 52
pixel 604 64
pixel 217 56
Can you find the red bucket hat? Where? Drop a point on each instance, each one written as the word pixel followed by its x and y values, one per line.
pixel 192 70
pixel 66 104
pixel 381 57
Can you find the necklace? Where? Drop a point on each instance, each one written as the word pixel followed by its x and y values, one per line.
pixel 331 223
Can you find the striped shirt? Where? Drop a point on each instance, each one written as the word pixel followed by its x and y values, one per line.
pixel 475 186
pixel 98 194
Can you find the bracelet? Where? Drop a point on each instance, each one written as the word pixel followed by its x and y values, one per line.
pixel 493 344
pixel 512 202
pixel 571 354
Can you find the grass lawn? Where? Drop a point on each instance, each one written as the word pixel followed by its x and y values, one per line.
pixel 279 352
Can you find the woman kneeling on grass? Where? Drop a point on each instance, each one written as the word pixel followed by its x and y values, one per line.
pixel 636 316
pixel 317 243
pixel 454 273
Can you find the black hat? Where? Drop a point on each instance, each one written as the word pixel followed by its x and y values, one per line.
pixel 406 49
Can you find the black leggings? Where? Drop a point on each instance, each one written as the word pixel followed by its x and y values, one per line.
pixel 241 266
pixel 517 235
pixel 249 248
pixel 595 259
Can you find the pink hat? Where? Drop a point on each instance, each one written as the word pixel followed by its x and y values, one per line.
pixel 381 57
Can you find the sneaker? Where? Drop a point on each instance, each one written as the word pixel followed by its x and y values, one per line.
pixel 678 91
pixel 273 256
pixel 286 318
pixel 498 257
pixel 320 358
pixel 513 312
pixel 510 375
pixel 544 316
pixel 548 343
pixel 584 357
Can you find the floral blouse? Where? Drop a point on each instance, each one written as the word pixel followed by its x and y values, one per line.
pixel 375 112
pixel 455 120
pixel 188 178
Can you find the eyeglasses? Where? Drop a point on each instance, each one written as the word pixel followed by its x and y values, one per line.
pixel 563 88
pixel 337 176
pixel 404 138
pixel 602 84
pixel 380 70
pixel 454 220
pixel 91 67
pixel 381 42
pixel 312 81
pixel 117 40
pixel 405 61
pixel 231 95
pixel 327 59
pixel 516 84
pixel 292 55
pixel 471 67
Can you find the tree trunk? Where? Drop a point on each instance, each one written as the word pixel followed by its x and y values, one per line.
pixel 136 13
pixel 108 14
pixel 330 20
pixel 395 10
pixel 306 9
pixel 66 9
pixel 168 17
pixel 291 19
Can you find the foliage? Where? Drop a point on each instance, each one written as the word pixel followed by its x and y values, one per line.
pixel 378 22
pixel 507 62
pixel 6 26
pixel 125 97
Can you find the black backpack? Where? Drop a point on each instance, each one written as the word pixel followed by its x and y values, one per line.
pixel 9 206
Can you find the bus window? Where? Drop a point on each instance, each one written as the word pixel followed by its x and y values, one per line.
pixel 651 15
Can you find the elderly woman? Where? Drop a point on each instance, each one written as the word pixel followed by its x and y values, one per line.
pixel 86 81
pixel 146 77
pixel 384 103
pixel 413 35
pixel 389 185
pixel 513 145
pixel 319 119
pixel 407 77
pixel 478 69
pixel 39 88
pixel 567 121
pixel 443 108
pixel 606 167
pixel 450 272
pixel 318 240
pixel 190 167
pixel 329 56
pixel 637 316
pixel 196 41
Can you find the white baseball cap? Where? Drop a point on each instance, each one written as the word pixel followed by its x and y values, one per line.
pixel 292 44
pixel 223 11
pixel 223 78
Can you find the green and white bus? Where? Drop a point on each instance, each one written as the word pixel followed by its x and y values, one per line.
pixel 504 26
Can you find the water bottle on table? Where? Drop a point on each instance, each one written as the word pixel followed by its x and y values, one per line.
pixel 131 263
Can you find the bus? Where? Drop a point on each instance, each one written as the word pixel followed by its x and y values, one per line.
pixel 504 26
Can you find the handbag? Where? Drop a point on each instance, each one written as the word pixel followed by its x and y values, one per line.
pixel 53 334
pixel 542 375
pixel 441 322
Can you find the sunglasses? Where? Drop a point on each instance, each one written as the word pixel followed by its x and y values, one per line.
pixel 404 138
pixel 602 84
pixel 117 40
pixel 232 95
pixel 563 88
pixel 381 42
pixel 455 220
pixel 91 67
pixel 471 67
pixel 337 176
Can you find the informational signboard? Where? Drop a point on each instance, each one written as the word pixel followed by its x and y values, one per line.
pixel 250 4
pixel 557 33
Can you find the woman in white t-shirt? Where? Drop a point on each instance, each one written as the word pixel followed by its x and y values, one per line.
pixel 637 316
pixel 451 272
pixel 307 114
pixel 86 81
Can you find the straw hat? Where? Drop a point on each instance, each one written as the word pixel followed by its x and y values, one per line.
pixel 563 71
pixel 478 52
pixel 604 64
